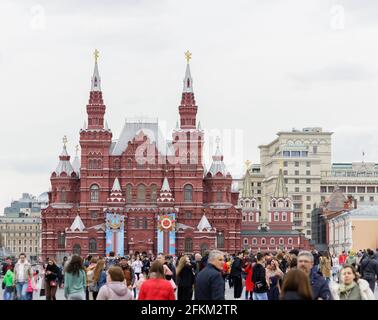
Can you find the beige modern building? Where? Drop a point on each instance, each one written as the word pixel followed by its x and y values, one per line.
pixel 354 230
pixel 358 179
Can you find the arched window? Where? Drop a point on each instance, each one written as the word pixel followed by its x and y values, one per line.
pixel 281 241
pixel 61 239
pixel 129 163
pixel 188 193
pixel 254 241
pixel 136 223
pixel 188 245
pixel 244 216
pixel 274 203
pixel 76 249
pixel 219 196
pixel 284 216
pixel 153 193
pixel 276 216
pixel 263 241
pixel 272 241
pixel 117 164
pixel 63 195
pixel 245 241
pixel 141 193
pixel 251 216
pixel 129 194
pixel 290 241
pixel 94 190
pixel 92 245
pixel 220 240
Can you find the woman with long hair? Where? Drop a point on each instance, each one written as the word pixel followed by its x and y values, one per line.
pixel 185 279
pixel 351 287
pixel 115 287
pixel 51 279
pixel 273 275
pixel 99 278
pixel 75 279
pixel 296 286
pixel 156 287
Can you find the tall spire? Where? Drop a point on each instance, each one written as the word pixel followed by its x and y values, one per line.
pixel 188 108
pixel 76 162
pixel 218 164
pixel 64 164
pixel 280 191
pixel 96 107
pixel 96 80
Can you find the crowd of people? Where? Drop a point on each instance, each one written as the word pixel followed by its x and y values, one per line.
pixel 293 275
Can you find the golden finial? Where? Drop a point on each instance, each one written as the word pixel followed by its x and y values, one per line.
pixel 96 55
pixel 188 56
pixel 65 141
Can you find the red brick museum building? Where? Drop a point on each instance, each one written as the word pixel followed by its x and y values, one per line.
pixel 140 176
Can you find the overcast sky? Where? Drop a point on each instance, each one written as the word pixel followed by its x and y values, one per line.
pixel 258 67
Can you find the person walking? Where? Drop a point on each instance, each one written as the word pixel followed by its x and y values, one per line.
pixel 209 282
pixel 185 279
pixel 319 285
pixel 51 279
pixel 156 287
pixel 137 265
pixel 248 280
pixel 351 287
pixel 8 288
pixel 128 272
pixel 273 276
pixel 296 286
pixel 260 290
pixel 325 266
pixel 99 278
pixel 75 279
pixel 89 269
pixel 115 287
pixel 236 275
pixel 369 269
pixel 22 273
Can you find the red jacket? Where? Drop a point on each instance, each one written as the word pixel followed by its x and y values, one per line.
pixel 156 289
pixel 248 280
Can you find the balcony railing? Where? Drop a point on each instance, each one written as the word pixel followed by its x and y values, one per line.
pixel 349 173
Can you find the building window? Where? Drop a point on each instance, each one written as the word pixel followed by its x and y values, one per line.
pixel 308 198
pixel 370 189
pixel 263 241
pixel 219 196
pixel 343 189
pixel 145 224
pixel 286 181
pixel 296 172
pixel 315 149
pixel 116 164
pixel 276 216
pixel 259 184
pixel 94 192
pixel 188 245
pixel 331 189
pixel 244 217
pixel 362 199
pixel 153 193
pixel 353 189
pixel 297 198
pixel 129 194
pixel 296 189
pixel 308 189
pixel 371 199
pixel 272 241
pixel 290 241
pixel 360 189
pixel 284 216
pixel 129 163
pixel 297 206
pixel 254 241
pixel 285 163
pixel 61 240
pixel 251 216
pixel 308 164
pixel 63 195
pixel 296 181
pixel 136 223
pixel 285 172
pixel 245 241
pixel 188 193
pixel 92 245
pixel 204 248
pixel 141 193
pixel 188 215
pixel 220 240
pixel 258 191
pixel 76 249
pixel 308 181
pixel 296 163
pixel 308 173
pixel 308 206
pixel 286 153
pixel 295 154
pixel 281 241
pixel 304 154
pixel 308 232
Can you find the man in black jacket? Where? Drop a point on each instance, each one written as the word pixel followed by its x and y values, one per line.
pixel 369 269
pixel 209 282
pixel 260 291
pixel 236 275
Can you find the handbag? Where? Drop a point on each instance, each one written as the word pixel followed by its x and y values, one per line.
pixel 42 293
pixel 53 283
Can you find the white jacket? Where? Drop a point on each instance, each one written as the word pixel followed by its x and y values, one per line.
pixel 365 291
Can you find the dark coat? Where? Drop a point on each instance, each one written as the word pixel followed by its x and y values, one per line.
pixel 236 268
pixel 186 277
pixel 369 268
pixel 55 273
pixel 319 285
pixel 210 284
pixel 259 279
